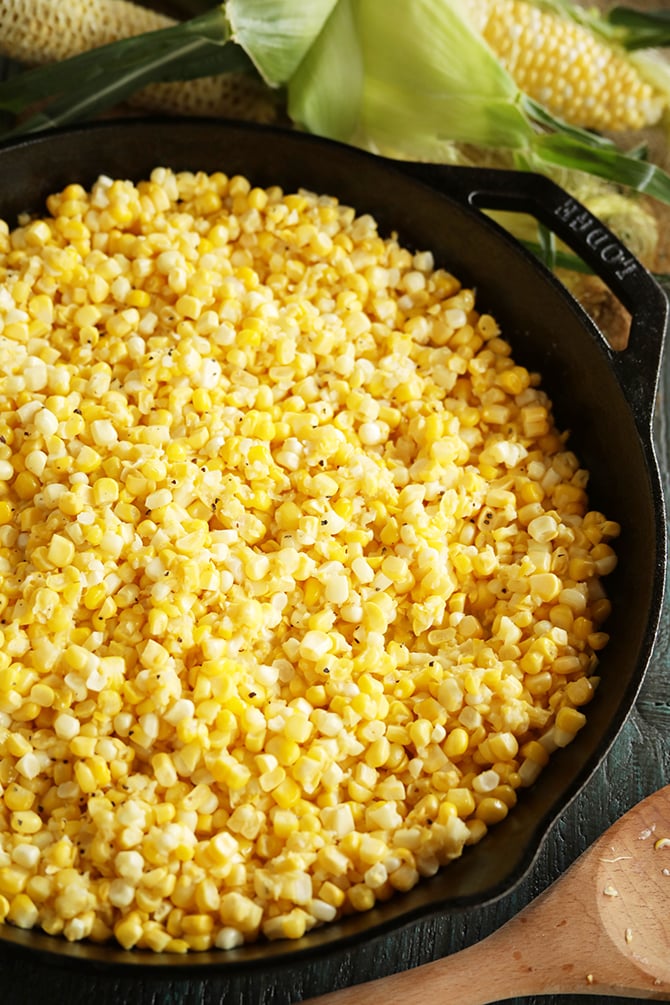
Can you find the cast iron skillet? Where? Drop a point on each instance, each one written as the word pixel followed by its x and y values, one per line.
pixel 605 398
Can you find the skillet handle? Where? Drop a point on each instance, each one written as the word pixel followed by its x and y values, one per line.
pixel 637 366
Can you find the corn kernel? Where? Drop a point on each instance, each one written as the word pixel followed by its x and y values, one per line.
pixel 26 485
pixel 128 930
pixel 491 810
pixel 457 742
pixel 463 800
pixel 18 798
pixel 250 421
pixel 570 720
pixel 22 911
pixel 61 550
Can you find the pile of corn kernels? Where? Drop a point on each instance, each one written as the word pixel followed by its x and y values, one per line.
pixel 298 580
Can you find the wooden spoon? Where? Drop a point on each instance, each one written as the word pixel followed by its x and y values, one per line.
pixel 603 928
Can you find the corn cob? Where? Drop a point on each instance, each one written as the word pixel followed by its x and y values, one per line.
pixel 34 32
pixel 41 31
pixel 563 65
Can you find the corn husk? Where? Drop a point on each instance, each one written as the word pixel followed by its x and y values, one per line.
pixel 422 78
pixel 277 34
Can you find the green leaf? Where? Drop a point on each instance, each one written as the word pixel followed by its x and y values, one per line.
pixel 191 8
pixel 277 34
pixel 612 165
pixel 543 117
pixel 560 259
pixel 547 245
pixel 637 29
pixel 428 80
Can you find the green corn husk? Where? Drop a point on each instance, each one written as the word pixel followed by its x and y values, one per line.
pixel 277 34
pixel 428 80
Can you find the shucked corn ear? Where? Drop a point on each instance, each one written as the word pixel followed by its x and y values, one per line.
pixel 39 31
pixel 567 67
pixel 35 32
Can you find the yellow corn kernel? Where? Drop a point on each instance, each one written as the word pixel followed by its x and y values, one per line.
pixel 503 746
pixel 128 930
pixel 491 810
pixel 597 640
pixel 287 793
pixel 535 752
pixel 6 511
pixel 446 811
pixel 570 720
pixel 62 854
pixel 197 924
pixel 12 880
pixel 61 550
pixel 105 491
pixel 93 598
pixel 463 800
pixel 361 897
pixel 87 460
pixel 26 485
pixel 239 911
pixel 478 830
pixel 22 911
pixel 18 798
pixel 507 794
pixel 332 894
pixel 457 742
pixel 580 692
pixel 138 298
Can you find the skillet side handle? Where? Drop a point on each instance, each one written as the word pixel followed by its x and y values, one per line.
pixel 638 365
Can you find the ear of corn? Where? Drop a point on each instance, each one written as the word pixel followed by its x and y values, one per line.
pixel 231 95
pixel 55 32
pixel 43 31
pixel 429 80
pixel 567 67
